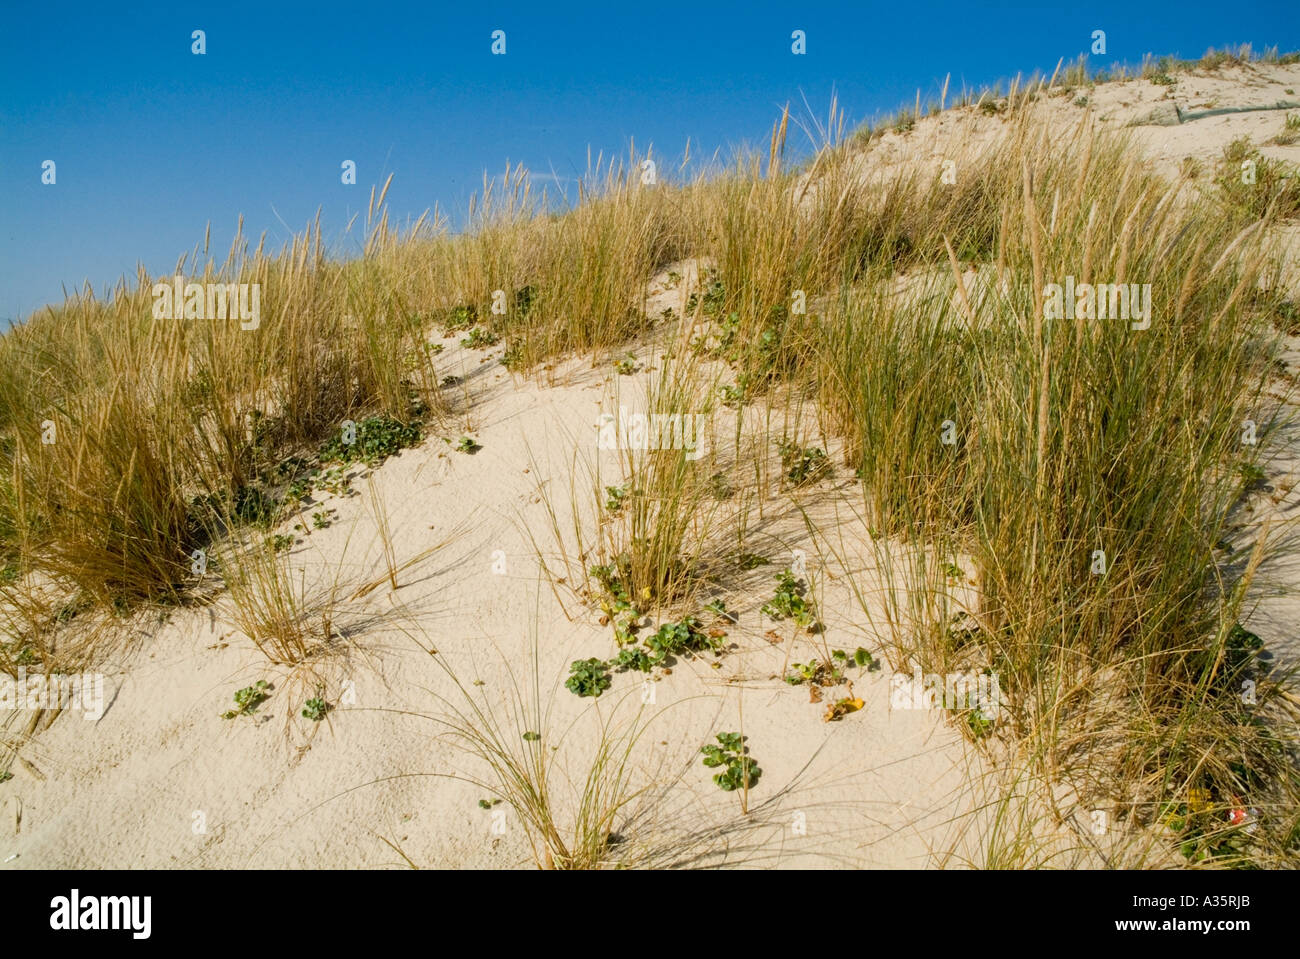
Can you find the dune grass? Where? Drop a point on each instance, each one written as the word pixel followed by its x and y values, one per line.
pixel 908 308
pixel 570 800
pixel 1094 472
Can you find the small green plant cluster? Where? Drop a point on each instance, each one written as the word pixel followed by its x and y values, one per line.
pixel 333 480
pixel 1203 829
pixel 480 339
pixel 828 674
pixel 626 365
pixel 617 604
pixel 413 360
pixel 633 658
pixel 321 519
pixel 814 673
pixel 861 657
pixel 459 319
pixel 979 724
pixel 1252 477
pixel 760 357
pixel 279 542
pixel 255 506
pixel 466 444
pixel 1285 315
pixel 248 504
pixel 686 636
pixel 512 358
pixel 248 699
pixel 616 497
pixel 721 342
pixel 803 465
pixel 289 468
pixel 377 438
pixel 768 365
pixel 740 770
pixel 588 677
pixel 789 602
pixel 1290 131
pixel 69 611
pixel 1163 79
pixel 718 608
pixel 1275 190
pixel 670 640
pixel 713 297
pixel 1241 648
pixel 316 707
pixel 962 629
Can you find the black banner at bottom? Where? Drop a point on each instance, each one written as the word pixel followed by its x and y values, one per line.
pixel 339 907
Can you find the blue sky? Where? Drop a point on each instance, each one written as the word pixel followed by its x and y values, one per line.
pixel 152 142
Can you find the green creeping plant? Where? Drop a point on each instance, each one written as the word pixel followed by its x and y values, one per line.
pixel 740 770
pixel 467 444
pixel 480 339
pixel 789 603
pixel 633 657
pixel 279 542
pixel 377 438
pixel 615 497
pixel 803 465
pixel 687 636
pixel 248 699
pixel 588 677
pixel 316 707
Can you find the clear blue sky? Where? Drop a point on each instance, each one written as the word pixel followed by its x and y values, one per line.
pixel 152 142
